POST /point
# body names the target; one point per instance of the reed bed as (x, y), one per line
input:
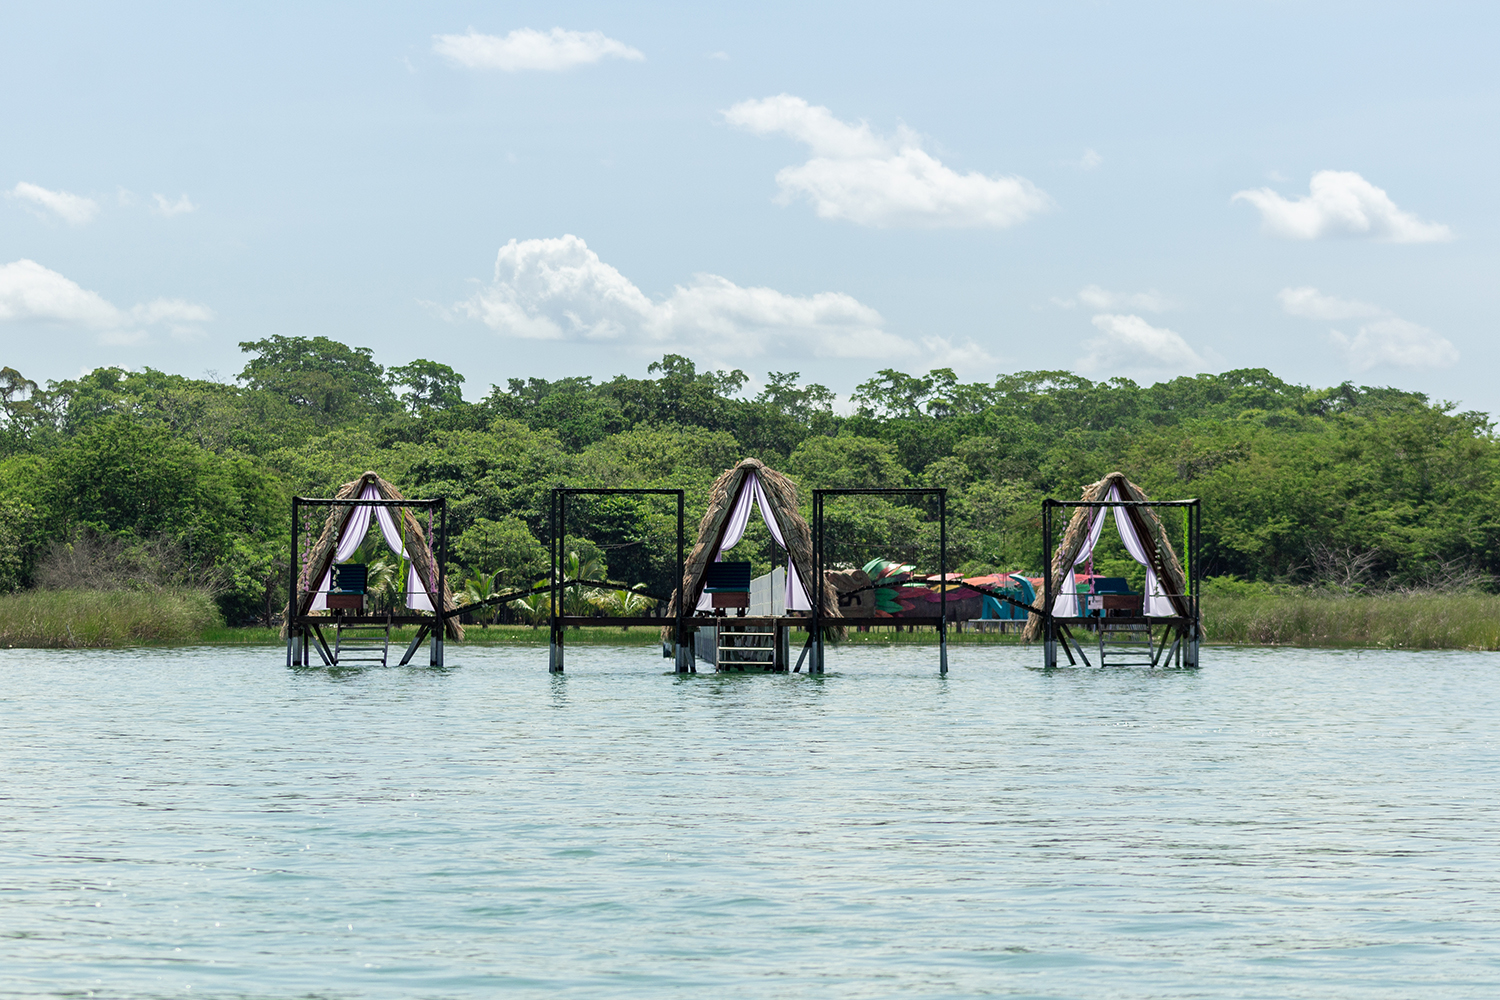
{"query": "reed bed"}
(99, 619)
(1380, 621)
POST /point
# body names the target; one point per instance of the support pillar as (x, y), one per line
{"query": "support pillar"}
(942, 652)
(1049, 648)
(435, 652)
(555, 652)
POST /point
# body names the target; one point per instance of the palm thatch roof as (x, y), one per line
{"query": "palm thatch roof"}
(781, 492)
(1147, 526)
(320, 555)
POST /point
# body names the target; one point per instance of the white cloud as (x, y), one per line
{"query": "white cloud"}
(1396, 342)
(1129, 343)
(527, 48)
(1341, 203)
(31, 292)
(1101, 299)
(1389, 340)
(124, 337)
(559, 289)
(857, 175)
(71, 208)
(1313, 304)
(942, 352)
(171, 208)
(1090, 160)
(181, 318)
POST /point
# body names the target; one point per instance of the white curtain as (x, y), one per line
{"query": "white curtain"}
(354, 533)
(753, 495)
(1066, 603)
(1157, 604)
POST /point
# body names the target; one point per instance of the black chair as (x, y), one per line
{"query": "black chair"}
(729, 585)
(349, 583)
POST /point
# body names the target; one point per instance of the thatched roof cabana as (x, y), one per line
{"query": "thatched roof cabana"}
(1161, 558)
(321, 554)
(780, 494)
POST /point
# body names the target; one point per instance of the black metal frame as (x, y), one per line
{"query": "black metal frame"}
(300, 625)
(1190, 626)
(941, 493)
(557, 532)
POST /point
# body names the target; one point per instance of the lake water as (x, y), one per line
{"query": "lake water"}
(206, 822)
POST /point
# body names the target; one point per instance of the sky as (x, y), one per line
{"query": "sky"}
(546, 190)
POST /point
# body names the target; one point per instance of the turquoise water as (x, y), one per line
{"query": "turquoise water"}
(206, 822)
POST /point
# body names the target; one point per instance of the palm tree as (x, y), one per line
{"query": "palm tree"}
(579, 599)
(624, 603)
(386, 581)
(534, 609)
(477, 588)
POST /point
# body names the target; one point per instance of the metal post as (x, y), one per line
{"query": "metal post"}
(943, 576)
(1049, 630)
(552, 580)
(816, 667)
(440, 630)
(1190, 647)
(559, 562)
(686, 654)
(291, 593)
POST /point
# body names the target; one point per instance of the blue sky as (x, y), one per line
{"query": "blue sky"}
(575, 189)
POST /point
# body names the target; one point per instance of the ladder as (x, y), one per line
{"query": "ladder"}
(1125, 645)
(745, 647)
(369, 643)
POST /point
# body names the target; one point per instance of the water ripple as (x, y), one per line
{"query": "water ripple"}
(1279, 824)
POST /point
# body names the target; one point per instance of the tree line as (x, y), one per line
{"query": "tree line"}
(1349, 486)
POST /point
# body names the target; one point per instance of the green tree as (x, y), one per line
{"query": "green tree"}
(26, 412)
(504, 552)
(846, 462)
(431, 387)
(142, 481)
(327, 379)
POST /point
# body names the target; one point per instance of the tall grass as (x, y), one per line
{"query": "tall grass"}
(1391, 621)
(71, 619)
(101, 619)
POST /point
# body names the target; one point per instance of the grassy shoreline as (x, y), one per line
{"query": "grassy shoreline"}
(111, 619)
(1380, 621)
(104, 619)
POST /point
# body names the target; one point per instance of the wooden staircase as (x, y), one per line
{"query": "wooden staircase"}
(1125, 645)
(745, 648)
(366, 643)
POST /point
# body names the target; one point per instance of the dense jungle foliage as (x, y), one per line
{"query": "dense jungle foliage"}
(186, 482)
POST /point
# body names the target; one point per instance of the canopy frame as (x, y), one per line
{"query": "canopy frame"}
(557, 622)
(303, 628)
(1187, 624)
(941, 622)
